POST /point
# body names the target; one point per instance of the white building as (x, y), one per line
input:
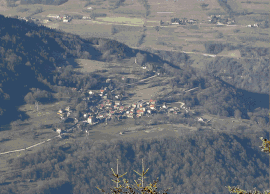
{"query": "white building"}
(152, 106)
(220, 24)
(86, 17)
(171, 109)
(164, 106)
(46, 21)
(59, 131)
(53, 16)
(90, 120)
(200, 119)
(117, 103)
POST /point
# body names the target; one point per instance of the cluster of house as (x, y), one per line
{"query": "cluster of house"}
(66, 113)
(200, 119)
(23, 18)
(108, 109)
(64, 18)
(220, 20)
(254, 25)
(177, 21)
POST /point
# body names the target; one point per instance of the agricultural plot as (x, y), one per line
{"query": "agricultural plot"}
(129, 38)
(87, 28)
(168, 36)
(32, 130)
(130, 131)
(122, 20)
(181, 8)
(88, 66)
(233, 53)
(145, 92)
(134, 11)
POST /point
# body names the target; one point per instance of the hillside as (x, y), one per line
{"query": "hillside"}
(194, 163)
(38, 64)
(20, 71)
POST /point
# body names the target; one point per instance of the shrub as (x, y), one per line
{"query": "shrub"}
(29, 98)
(213, 48)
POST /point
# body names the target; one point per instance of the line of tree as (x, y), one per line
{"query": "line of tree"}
(141, 39)
(11, 3)
(226, 7)
(146, 6)
(38, 95)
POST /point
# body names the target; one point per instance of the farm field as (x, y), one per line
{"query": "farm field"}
(90, 65)
(170, 36)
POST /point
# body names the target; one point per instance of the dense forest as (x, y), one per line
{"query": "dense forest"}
(193, 163)
(213, 47)
(248, 74)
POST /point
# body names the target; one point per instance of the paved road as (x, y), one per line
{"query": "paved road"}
(23, 149)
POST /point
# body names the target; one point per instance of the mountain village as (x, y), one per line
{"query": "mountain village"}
(104, 109)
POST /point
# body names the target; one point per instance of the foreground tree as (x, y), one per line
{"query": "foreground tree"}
(265, 148)
(151, 188)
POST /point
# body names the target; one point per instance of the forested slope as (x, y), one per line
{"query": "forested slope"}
(247, 74)
(30, 55)
(193, 163)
